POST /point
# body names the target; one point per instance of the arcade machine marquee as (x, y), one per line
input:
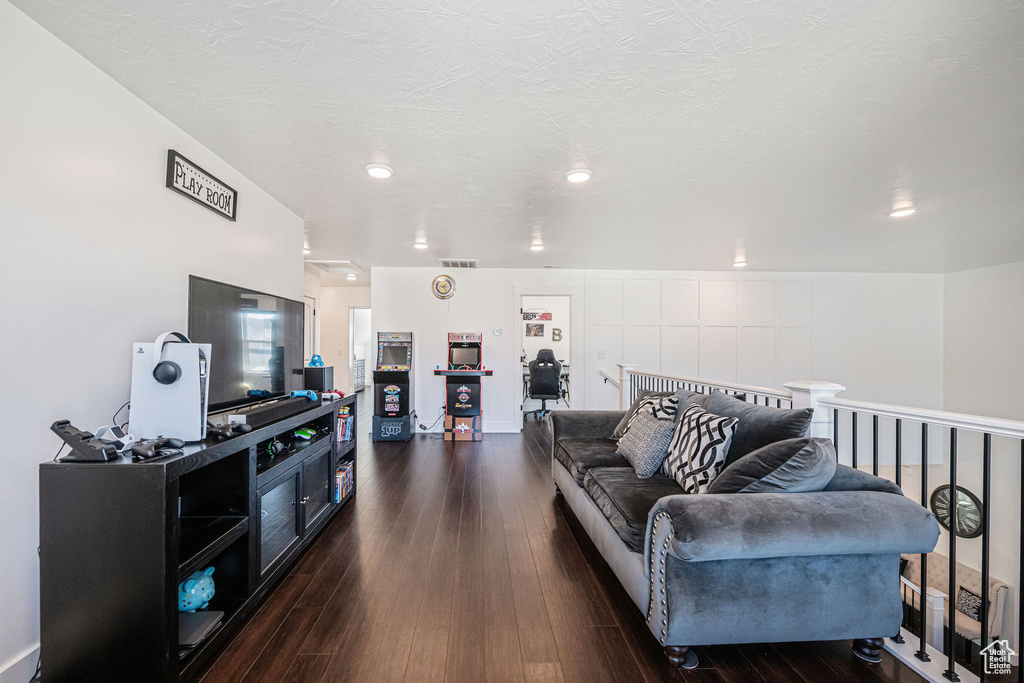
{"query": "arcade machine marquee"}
(462, 415)
(393, 412)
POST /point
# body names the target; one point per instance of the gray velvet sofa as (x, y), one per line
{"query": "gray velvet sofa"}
(742, 567)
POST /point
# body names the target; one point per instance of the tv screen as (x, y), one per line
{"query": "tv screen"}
(395, 355)
(462, 357)
(256, 341)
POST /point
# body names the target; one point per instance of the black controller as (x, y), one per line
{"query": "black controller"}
(223, 433)
(84, 446)
(157, 448)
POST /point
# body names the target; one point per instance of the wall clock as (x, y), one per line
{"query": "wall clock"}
(444, 286)
(968, 511)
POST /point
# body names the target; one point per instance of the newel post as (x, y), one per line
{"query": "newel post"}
(624, 371)
(806, 394)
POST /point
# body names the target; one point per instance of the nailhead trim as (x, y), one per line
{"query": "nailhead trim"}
(660, 559)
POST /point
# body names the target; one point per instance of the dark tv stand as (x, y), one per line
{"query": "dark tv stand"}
(116, 539)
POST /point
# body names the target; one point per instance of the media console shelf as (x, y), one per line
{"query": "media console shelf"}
(117, 538)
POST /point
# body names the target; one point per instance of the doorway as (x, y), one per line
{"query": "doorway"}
(360, 343)
(546, 323)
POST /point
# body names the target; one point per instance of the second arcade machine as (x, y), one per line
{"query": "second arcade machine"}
(462, 415)
(393, 412)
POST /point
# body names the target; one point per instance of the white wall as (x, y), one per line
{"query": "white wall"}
(95, 253)
(984, 373)
(335, 340)
(879, 334)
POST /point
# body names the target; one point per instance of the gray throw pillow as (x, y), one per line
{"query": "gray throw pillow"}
(759, 425)
(646, 442)
(793, 465)
(620, 428)
(699, 445)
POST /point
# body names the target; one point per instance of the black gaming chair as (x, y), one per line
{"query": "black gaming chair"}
(545, 381)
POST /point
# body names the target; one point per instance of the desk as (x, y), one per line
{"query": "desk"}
(564, 381)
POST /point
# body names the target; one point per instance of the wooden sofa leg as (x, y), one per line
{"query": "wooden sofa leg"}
(869, 649)
(681, 656)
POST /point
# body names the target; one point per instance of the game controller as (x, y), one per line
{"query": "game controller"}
(157, 448)
(304, 434)
(331, 395)
(223, 433)
(308, 393)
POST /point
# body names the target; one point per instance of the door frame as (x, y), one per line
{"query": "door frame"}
(577, 352)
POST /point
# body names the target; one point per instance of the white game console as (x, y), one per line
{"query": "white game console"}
(170, 388)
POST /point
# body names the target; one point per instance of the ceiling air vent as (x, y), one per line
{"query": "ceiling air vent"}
(458, 262)
(553, 266)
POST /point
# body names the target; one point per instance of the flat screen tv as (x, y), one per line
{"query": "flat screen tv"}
(256, 341)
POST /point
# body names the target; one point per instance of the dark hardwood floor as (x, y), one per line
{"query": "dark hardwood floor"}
(456, 563)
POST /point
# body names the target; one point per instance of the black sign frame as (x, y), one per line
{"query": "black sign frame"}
(172, 157)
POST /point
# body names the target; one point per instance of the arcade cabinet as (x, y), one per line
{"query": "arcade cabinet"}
(393, 412)
(462, 415)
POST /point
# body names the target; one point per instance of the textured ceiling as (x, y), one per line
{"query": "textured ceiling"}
(784, 126)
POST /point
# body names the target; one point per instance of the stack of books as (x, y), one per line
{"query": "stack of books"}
(344, 480)
(346, 425)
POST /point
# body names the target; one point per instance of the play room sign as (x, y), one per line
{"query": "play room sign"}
(186, 178)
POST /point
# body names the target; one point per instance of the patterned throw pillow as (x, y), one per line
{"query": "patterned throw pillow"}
(646, 441)
(968, 604)
(662, 407)
(698, 449)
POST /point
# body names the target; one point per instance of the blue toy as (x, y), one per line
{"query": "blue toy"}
(308, 393)
(316, 361)
(195, 592)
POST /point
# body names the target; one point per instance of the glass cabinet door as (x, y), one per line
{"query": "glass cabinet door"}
(280, 521)
(318, 486)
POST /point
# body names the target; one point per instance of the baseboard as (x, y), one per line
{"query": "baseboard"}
(20, 669)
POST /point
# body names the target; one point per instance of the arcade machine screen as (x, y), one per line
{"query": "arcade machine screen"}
(395, 355)
(465, 357)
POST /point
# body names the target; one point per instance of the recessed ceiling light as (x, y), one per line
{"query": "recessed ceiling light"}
(420, 245)
(578, 175)
(351, 276)
(537, 247)
(739, 264)
(307, 251)
(380, 171)
(902, 211)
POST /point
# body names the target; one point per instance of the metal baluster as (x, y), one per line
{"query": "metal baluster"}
(986, 504)
(874, 445)
(898, 638)
(854, 440)
(950, 672)
(922, 652)
(835, 430)
(899, 453)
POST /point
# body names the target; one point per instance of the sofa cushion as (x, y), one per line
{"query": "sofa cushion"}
(579, 455)
(625, 499)
(759, 425)
(699, 445)
(620, 429)
(646, 441)
(794, 465)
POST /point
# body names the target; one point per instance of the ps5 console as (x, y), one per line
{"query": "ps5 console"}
(170, 383)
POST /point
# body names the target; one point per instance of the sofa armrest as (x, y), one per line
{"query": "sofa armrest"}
(583, 424)
(729, 526)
